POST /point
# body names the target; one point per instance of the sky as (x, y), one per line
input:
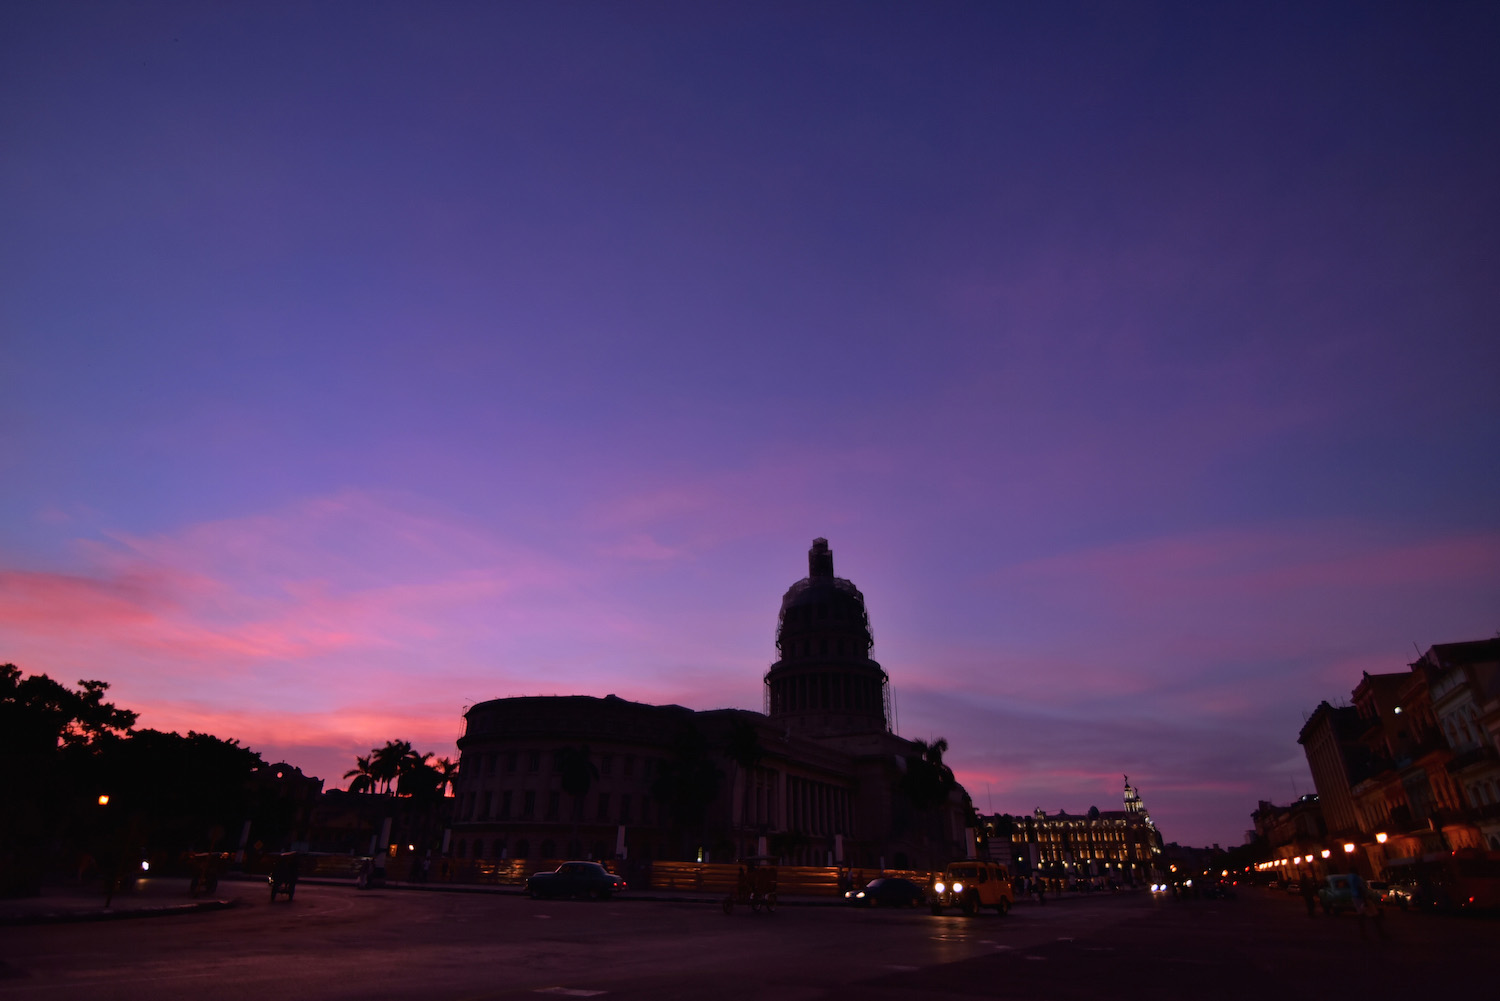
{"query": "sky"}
(363, 361)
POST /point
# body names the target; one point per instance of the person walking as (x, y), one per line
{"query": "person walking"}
(1310, 896)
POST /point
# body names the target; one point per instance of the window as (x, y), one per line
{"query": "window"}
(528, 805)
(629, 765)
(505, 805)
(625, 808)
(484, 811)
(552, 802)
(603, 806)
(510, 762)
(533, 761)
(607, 764)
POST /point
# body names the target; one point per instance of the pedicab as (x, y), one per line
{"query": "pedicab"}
(756, 886)
(283, 878)
(205, 869)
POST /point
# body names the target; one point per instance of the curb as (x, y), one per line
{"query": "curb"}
(108, 914)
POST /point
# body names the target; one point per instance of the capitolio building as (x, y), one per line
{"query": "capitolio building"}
(817, 778)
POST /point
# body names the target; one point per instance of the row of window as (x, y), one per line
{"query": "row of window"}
(1054, 853)
(826, 692)
(821, 647)
(522, 805)
(536, 761)
(500, 848)
(822, 610)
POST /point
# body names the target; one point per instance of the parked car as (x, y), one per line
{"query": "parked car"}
(971, 885)
(888, 891)
(1344, 892)
(575, 879)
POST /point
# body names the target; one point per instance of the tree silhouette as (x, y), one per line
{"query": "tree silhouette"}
(927, 784)
(578, 773)
(415, 777)
(447, 770)
(688, 781)
(386, 763)
(364, 779)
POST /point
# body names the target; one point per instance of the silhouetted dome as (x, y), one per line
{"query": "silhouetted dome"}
(823, 642)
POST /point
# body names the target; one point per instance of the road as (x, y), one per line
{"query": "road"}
(336, 942)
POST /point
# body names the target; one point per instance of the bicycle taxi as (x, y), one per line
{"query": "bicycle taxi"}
(756, 885)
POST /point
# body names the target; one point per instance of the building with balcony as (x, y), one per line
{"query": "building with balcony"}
(1417, 754)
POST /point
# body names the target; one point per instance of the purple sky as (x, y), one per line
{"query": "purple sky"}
(359, 362)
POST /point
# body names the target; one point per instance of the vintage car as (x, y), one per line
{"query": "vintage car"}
(887, 891)
(575, 879)
(1345, 892)
(971, 885)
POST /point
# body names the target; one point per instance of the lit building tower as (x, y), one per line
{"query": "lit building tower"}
(1133, 802)
(825, 683)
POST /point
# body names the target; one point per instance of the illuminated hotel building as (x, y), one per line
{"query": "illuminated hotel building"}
(1100, 846)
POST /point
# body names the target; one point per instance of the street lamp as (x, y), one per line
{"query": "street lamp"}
(1380, 837)
(103, 799)
(1348, 847)
(1325, 853)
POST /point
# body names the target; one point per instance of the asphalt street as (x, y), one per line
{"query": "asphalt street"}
(337, 942)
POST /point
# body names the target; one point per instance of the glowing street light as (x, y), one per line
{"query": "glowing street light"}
(1380, 837)
(103, 799)
(1325, 853)
(1348, 847)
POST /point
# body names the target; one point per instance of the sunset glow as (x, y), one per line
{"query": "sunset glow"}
(1140, 373)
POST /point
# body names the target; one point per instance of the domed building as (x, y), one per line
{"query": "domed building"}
(818, 778)
(825, 682)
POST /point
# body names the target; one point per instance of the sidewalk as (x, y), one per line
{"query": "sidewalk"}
(150, 897)
(167, 896)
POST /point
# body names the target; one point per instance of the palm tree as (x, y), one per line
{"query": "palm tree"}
(364, 779)
(447, 770)
(578, 773)
(385, 763)
(416, 777)
(687, 782)
(928, 783)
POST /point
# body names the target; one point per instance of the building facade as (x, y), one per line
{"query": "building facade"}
(818, 778)
(1417, 755)
(1098, 848)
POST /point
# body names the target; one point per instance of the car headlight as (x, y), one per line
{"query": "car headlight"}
(861, 893)
(958, 888)
(939, 887)
(848, 895)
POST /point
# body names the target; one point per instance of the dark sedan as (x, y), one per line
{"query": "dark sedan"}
(891, 891)
(575, 879)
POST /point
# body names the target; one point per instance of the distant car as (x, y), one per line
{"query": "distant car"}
(1402, 893)
(575, 879)
(971, 885)
(889, 891)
